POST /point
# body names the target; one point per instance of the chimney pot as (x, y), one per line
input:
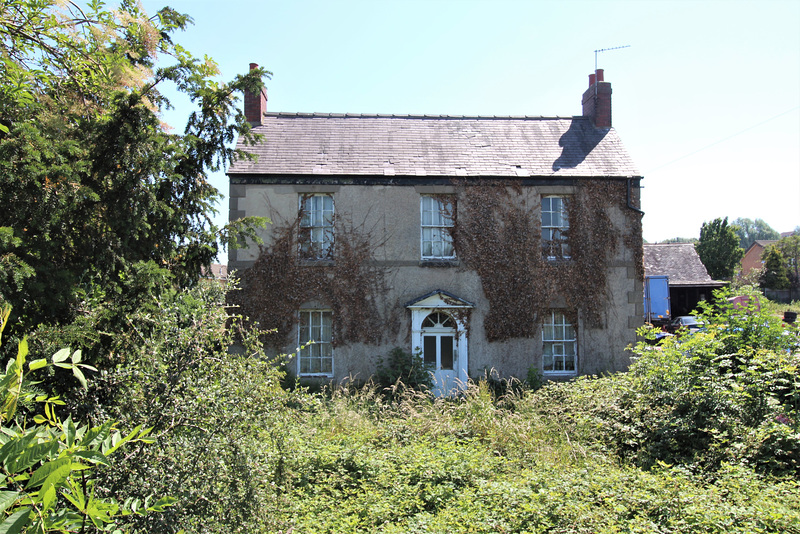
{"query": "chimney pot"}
(597, 100)
(255, 105)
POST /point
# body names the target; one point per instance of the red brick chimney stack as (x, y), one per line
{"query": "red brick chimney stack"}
(255, 105)
(597, 100)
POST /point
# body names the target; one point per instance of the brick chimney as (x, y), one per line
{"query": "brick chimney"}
(597, 100)
(255, 105)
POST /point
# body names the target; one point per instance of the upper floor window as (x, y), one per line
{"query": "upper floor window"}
(437, 216)
(316, 226)
(315, 337)
(555, 226)
(560, 351)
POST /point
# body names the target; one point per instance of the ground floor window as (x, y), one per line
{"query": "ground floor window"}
(315, 336)
(560, 351)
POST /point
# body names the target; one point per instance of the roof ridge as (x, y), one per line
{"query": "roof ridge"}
(416, 116)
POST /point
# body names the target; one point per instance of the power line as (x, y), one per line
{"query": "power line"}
(715, 143)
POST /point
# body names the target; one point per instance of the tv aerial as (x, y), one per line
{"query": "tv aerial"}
(606, 50)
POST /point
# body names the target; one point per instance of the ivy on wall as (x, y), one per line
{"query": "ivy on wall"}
(350, 284)
(498, 235)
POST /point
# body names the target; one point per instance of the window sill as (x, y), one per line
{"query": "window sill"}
(559, 374)
(439, 262)
(322, 262)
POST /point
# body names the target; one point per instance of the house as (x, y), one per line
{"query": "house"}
(498, 244)
(689, 282)
(751, 261)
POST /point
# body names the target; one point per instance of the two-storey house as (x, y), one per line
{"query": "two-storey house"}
(475, 243)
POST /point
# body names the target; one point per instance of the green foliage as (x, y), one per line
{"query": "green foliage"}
(404, 370)
(749, 231)
(357, 462)
(217, 416)
(719, 249)
(49, 465)
(727, 395)
(534, 380)
(92, 185)
(790, 248)
(775, 274)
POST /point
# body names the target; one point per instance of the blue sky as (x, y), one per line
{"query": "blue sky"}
(706, 97)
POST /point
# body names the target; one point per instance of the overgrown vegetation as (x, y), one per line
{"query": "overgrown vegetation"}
(49, 464)
(102, 240)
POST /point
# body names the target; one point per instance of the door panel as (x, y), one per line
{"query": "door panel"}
(446, 353)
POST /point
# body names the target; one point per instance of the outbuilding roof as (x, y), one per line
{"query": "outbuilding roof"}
(678, 261)
(434, 146)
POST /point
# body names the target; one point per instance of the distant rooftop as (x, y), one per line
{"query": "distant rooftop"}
(678, 261)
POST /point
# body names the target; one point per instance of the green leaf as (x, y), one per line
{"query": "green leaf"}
(61, 355)
(69, 431)
(79, 375)
(41, 475)
(162, 503)
(22, 352)
(7, 498)
(31, 456)
(92, 456)
(37, 364)
(54, 480)
(14, 447)
(76, 356)
(97, 434)
(15, 522)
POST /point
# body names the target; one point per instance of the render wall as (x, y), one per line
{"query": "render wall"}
(391, 214)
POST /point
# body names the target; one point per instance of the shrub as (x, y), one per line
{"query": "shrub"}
(403, 368)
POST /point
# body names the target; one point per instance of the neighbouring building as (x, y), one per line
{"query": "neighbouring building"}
(478, 244)
(751, 261)
(689, 281)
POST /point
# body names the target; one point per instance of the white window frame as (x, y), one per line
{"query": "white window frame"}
(316, 226)
(555, 223)
(559, 345)
(315, 345)
(437, 214)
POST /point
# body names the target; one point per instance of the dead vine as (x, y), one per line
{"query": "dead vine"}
(499, 236)
(350, 283)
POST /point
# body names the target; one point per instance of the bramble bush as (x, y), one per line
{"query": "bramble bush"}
(726, 395)
(49, 465)
(216, 415)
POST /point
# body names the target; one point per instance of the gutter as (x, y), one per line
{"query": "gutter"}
(628, 199)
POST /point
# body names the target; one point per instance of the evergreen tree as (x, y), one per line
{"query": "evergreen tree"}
(99, 200)
(775, 274)
(719, 248)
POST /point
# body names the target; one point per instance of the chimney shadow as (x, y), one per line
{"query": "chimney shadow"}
(577, 143)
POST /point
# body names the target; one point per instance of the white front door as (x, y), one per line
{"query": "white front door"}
(439, 337)
(440, 351)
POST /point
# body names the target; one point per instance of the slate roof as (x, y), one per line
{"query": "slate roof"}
(436, 146)
(678, 261)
